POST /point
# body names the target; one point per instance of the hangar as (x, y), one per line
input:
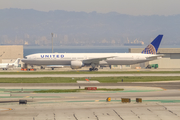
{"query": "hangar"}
(9, 53)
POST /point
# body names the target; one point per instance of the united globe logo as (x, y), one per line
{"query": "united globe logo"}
(149, 49)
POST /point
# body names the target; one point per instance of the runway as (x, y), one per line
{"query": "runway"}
(82, 75)
(164, 85)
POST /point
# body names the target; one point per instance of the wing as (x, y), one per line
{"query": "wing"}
(96, 60)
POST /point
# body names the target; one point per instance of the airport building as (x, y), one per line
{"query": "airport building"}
(9, 53)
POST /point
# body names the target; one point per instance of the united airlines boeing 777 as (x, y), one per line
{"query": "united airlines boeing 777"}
(78, 60)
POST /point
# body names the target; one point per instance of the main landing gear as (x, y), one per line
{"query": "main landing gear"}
(93, 69)
(42, 67)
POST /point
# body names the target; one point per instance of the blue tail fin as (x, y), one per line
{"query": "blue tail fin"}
(153, 47)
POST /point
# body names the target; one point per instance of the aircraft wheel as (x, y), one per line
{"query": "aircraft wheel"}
(95, 69)
(52, 68)
(90, 69)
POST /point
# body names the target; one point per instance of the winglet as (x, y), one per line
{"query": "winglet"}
(153, 47)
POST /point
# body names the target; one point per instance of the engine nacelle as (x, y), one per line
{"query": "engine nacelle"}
(76, 64)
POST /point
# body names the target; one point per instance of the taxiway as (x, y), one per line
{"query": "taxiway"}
(81, 75)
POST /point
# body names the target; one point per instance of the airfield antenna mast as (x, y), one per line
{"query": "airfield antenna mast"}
(52, 42)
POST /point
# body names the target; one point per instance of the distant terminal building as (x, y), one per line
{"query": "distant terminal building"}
(9, 53)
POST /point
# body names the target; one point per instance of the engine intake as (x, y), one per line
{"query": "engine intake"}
(76, 64)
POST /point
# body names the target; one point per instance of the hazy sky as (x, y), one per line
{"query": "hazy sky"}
(132, 7)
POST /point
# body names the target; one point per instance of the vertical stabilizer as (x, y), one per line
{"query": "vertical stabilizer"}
(16, 63)
(153, 47)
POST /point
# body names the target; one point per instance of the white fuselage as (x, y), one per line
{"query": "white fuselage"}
(6, 65)
(66, 58)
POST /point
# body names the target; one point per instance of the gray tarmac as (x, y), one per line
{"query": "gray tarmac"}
(99, 95)
(156, 105)
(164, 85)
(83, 75)
(93, 111)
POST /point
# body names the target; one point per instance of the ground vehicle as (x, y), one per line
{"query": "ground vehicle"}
(152, 66)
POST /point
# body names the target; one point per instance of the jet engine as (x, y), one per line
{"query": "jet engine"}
(76, 64)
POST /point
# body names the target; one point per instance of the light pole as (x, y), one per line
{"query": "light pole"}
(52, 42)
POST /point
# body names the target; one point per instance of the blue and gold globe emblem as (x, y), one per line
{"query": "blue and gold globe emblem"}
(149, 49)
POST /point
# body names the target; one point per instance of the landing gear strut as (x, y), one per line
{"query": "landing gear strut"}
(42, 67)
(93, 69)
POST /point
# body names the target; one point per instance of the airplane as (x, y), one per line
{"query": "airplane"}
(5, 66)
(79, 60)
